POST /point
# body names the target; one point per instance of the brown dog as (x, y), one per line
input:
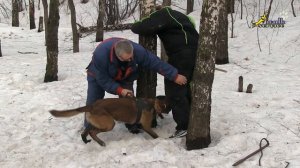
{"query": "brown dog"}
(102, 113)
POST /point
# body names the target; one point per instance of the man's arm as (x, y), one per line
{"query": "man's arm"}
(153, 23)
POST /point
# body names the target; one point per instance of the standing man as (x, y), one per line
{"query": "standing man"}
(180, 38)
(114, 68)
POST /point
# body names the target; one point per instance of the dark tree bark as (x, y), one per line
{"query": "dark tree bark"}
(45, 6)
(0, 49)
(41, 20)
(52, 42)
(222, 37)
(111, 12)
(74, 27)
(269, 10)
(163, 54)
(15, 13)
(241, 9)
(199, 126)
(99, 33)
(166, 3)
(230, 6)
(292, 4)
(31, 14)
(190, 6)
(146, 82)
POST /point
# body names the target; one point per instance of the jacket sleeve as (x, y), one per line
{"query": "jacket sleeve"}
(150, 61)
(102, 76)
(152, 24)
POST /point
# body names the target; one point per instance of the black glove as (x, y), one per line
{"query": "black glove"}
(134, 128)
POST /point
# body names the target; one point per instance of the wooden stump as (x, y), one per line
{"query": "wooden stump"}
(249, 88)
(240, 89)
(41, 24)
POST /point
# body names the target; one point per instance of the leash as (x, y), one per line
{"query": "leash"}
(261, 148)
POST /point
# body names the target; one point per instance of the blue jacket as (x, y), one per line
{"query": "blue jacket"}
(109, 73)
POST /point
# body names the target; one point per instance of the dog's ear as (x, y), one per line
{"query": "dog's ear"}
(164, 104)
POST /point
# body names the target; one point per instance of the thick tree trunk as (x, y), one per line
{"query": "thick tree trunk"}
(146, 83)
(0, 49)
(190, 6)
(31, 14)
(41, 20)
(199, 126)
(15, 13)
(52, 42)
(163, 54)
(74, 27)
(99, 33)
(222, 37)
(45, 6)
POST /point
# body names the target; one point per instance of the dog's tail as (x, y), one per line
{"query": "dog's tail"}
(70, 113)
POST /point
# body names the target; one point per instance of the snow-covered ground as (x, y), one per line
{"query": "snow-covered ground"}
(31, 137)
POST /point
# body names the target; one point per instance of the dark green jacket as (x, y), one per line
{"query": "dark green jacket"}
(175, 29)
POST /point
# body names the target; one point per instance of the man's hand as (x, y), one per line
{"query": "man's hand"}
(126, 93)
(180, 80)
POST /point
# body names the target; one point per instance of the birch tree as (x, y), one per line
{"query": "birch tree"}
(199, 126)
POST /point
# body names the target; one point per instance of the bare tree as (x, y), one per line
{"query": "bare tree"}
(190, 6)
(146, 82)
(199, 126)
(230, 6)
(241, 9)
(269, 10)
(0, 49)
(166, 3)
(292, 4)
(222, 37)
(100, 20)
(74, 27)
(15, 13)
(45, 6)
(31, 14)
(52, 42)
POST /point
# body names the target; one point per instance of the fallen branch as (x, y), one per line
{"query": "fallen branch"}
(253, 153)
(27, 52)
(222, 70)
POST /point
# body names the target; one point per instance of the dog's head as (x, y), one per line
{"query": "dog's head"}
(162, 105)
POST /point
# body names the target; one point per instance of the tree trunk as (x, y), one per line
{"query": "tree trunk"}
(0, 49)
(15, 13)
(166, 3)
(241, 9)
(222, 37)
(99, 33)
(269, 10)
(199, 126)
(146, 82)
(230, 6)
(74, 27)
(190, 6)
(292, 4)
(45, 6)
(41, 20)
(20, 5)
(31, 14)
(163, 54)
(52, 42)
